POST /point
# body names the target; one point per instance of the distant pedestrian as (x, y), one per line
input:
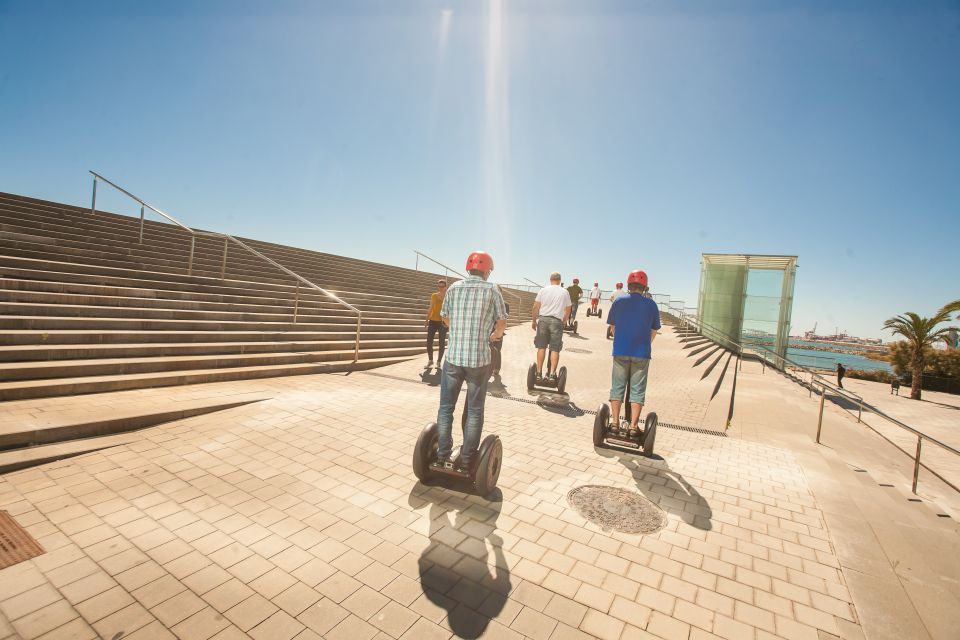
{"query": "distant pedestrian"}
(575, 294)
(618, 293)
(895, 385)
(594, 297)
(840, 372)
(435, 324)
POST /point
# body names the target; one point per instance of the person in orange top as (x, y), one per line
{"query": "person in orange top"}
(434, 323)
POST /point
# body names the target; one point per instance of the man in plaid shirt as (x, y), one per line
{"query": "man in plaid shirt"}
(474, 311)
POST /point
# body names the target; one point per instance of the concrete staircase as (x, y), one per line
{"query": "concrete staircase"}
(85, 307)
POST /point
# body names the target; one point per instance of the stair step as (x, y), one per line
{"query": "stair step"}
(53, 353)
(21, 390)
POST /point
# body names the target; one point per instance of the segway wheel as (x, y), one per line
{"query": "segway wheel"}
(561, 379)
(609, 335)
(495, 360)
(600, 424)
(531, 376)
(575, 325)
(488, 466)
(599, 313)
(649, 434)
(425, 451)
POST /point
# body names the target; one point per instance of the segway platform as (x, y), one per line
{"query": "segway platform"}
(643, 440)
(482, 474)
(547, 383)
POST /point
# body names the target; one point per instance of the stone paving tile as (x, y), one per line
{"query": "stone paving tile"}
(285, 519)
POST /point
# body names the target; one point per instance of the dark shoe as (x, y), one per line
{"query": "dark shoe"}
(445, 463)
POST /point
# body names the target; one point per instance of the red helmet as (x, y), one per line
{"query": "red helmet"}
(479, 261)
(637, 276)
(576, 281)
(619, 285)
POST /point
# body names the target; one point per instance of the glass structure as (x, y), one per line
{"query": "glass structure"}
(748, 298)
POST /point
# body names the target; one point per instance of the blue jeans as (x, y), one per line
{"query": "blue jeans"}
(451, 381)
(573, 311)
(633, 370)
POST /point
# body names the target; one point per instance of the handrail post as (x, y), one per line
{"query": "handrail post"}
(296, 302)
(141, 224)
(193, 244)
(223, 264)
(916, 464)
(823, 393)
(356, 344)
(93, 198)
(416, 264)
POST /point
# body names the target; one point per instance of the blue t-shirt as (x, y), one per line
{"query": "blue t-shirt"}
(635, 316)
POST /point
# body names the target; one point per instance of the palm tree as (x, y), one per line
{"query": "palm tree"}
(921, 333)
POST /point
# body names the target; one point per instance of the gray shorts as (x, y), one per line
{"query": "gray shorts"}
(549, 332)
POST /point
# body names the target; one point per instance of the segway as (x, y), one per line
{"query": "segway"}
(642, 440)
(546, 382)
(483, 472)
(572, 327)
(590, 312)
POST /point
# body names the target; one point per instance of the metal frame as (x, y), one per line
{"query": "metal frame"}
(227, 239)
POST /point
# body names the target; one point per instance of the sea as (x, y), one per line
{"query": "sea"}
(804, 352)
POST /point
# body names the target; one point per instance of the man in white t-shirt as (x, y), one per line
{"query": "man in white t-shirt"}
(594, 298)
(616, 295)
(550, 313)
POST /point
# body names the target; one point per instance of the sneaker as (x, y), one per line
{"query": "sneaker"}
(429, 364)
(553, 378)
(445, 462)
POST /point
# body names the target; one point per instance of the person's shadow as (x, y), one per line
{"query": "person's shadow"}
(454, 572)
(432, 379)
(664, 487)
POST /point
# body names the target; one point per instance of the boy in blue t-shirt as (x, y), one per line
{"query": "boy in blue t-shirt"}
(634, 320)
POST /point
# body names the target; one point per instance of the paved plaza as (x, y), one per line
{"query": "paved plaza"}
(298, 516)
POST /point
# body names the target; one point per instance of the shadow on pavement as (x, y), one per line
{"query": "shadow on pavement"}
(454, 569)
(665, 487)
(432, 379)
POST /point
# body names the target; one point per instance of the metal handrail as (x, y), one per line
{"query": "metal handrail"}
(93, 209)
(536, 284)
(450, 269)
(817, 379)
(223, 265)
(300, 279)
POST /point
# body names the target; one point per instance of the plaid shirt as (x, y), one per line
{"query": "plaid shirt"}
(473, 307)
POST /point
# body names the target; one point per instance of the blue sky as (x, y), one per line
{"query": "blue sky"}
(590, 137)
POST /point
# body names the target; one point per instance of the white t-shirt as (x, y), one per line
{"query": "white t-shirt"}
(619, 293)
(553, 300)
(595, 293)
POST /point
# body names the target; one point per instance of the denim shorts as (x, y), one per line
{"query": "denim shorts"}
(549, 332)
(633, 370)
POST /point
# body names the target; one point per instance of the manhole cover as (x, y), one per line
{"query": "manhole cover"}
(618, 509)
(16, 545)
